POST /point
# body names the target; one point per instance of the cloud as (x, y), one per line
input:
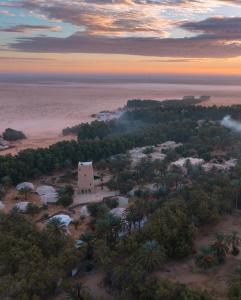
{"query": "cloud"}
(134, 27)
(176, 60)
(6, 13)
(113, 18)
(196, 47)
(9, 4)
(118, 17)
(231, 2)
(5, 58)
(30, 28)
(218, 27)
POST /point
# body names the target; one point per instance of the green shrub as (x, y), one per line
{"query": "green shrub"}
(13, 135)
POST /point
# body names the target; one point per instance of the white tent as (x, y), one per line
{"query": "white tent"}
(118, 212)
(84, 211)
(47, 193)
(2, 205)
(22, 206)
(122, 201)
(25, 185)
(79, 243)
(65, 219)
(183, 161)
(49, 198)
(45, 189)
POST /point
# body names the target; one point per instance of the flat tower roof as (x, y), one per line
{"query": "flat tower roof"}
(85, 163)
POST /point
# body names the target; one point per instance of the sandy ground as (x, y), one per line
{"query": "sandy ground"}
(13, 196)
(35, 142)
(41, 111)
(215, 280)
(96, 196)
(94, 284)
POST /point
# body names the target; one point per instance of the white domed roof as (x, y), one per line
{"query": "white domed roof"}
(47, 193)
(22, 206)
(84, 211)
(118, 212)
(65, 219)
(25, 185)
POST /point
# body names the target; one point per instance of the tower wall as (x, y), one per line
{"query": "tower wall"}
(85, 177)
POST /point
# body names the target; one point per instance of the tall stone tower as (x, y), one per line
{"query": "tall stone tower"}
(85, 177)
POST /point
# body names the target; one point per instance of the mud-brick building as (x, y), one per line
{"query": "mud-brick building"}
(85, 177)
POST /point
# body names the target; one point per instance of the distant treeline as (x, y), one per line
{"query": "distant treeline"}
(151, 126)
(100, 129)
(32, 163)
(94, 129)
(186, 101)
(140, 113)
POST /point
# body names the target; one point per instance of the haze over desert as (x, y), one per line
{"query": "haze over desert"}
(42, 110)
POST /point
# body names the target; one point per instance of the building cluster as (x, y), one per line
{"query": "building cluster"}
(86, 188)
(155, 152)
(207, 166)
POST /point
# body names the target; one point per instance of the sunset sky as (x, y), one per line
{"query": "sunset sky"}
(121, 36)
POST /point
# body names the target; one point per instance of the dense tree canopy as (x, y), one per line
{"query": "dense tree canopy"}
(32, 263)
(148, 126)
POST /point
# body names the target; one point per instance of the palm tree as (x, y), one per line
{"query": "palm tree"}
(157, 182)
(76, 223)
(236, 184)
(109, 227)
(26, 192)
(176, 177)
(161, 166)
(2, 191)
(234, 240)
(220, 247)
(77, 292)
(88, 239)
(141, 206)
(151, 256)
(205, 259)
(135, 214)
(115, 225)
(162, 183)
(57, 224)
(130, 218)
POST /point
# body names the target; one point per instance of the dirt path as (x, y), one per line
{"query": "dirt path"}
(94, 283)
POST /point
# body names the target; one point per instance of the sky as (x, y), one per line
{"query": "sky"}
(121, 36)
